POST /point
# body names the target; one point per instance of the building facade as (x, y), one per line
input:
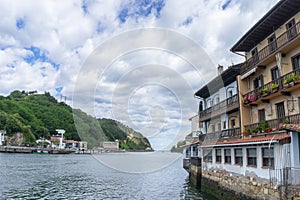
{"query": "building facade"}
(269, 82)
(250, 119)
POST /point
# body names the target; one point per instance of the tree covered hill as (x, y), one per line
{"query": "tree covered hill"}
(39, 115)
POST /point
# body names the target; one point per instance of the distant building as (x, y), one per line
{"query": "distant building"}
(110, 145)
(2, 133)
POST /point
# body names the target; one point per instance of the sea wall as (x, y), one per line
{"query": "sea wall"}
(244, 187)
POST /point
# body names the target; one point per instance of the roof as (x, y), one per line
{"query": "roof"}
(191, 144)
(249, 141)
(271, 21)
(290, 127)
(228, 76)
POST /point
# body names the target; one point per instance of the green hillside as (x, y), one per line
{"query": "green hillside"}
(39, 115)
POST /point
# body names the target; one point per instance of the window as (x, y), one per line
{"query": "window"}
(291, 29)
(258, 82)
(280, 111)
(296, 62)
(232, 123)
(195, 151)
(227, 156)
(217, 100)
(272, 43)
(218, 155)
(251, 157)
(275, 73)
(224, 122)
(229, 93)
(207, 155)
(254, 55)
(238, 156)
(268, 157)
(261, 115)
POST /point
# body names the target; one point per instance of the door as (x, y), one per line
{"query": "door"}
(291, 29)
(261, 115)
(280, 112)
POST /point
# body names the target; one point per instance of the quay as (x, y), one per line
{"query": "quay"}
(17, 149)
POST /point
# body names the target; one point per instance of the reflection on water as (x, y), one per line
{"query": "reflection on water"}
(33, 176)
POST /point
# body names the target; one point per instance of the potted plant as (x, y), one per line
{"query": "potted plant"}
(286, 121)
(246, 133)
(294, 77)
(288, 80)
(256, 129)
(298, 79)
(264, 91)
(251, 97)
(245, 100)
(264, 126)
(274, 87)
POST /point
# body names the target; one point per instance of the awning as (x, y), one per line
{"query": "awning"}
(248, 73)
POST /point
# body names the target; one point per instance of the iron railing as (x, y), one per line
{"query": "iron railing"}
(282, 40)
(223, 104)
(274, 86)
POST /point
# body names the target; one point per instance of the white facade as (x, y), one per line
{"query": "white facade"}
(259, 172)
(222, 94)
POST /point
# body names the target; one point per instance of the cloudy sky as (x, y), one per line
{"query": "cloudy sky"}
(139, 62)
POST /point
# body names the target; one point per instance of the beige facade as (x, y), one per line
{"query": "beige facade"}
(269, 67)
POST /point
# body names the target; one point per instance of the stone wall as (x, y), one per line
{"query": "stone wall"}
(244, 187)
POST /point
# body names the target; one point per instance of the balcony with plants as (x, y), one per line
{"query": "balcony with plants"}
(286, 83)
(268, 126)
(282, 41)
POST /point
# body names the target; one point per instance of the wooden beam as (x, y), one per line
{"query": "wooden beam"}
(285, 93)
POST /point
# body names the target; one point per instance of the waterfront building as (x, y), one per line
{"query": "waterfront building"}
(255, 141)
(270, 91)
(2, 134)
(110, 145)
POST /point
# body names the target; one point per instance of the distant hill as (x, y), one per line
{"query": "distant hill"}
(39, 115)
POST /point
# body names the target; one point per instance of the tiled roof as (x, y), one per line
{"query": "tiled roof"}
(248, 140)
(290, 127)
(187, 145)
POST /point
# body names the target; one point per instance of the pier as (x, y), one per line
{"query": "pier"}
(17, 149)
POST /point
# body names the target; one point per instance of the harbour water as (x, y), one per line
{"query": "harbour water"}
(34, 176)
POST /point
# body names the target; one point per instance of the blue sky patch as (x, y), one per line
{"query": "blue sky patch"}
(84, 7)
(59, 89)
(20, 23)
(226, 4)
(187, 21)
(141, 8)
(39, 55)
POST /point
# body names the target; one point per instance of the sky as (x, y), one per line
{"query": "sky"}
(139, 62)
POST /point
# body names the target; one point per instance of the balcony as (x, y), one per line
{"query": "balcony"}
(225, 106)
(273, 125)
(233, 133)
(284, 41)
(282, 86)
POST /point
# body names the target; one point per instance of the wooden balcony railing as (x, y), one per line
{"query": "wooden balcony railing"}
(224, 134)
(282, 40)
(288, 80)
(275, 123)
(219, 107)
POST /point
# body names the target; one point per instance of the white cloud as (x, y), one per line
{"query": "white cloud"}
(69, 32)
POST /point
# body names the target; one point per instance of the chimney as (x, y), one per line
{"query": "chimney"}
(220, 69)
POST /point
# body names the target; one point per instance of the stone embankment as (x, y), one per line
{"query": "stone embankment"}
(245, 187)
